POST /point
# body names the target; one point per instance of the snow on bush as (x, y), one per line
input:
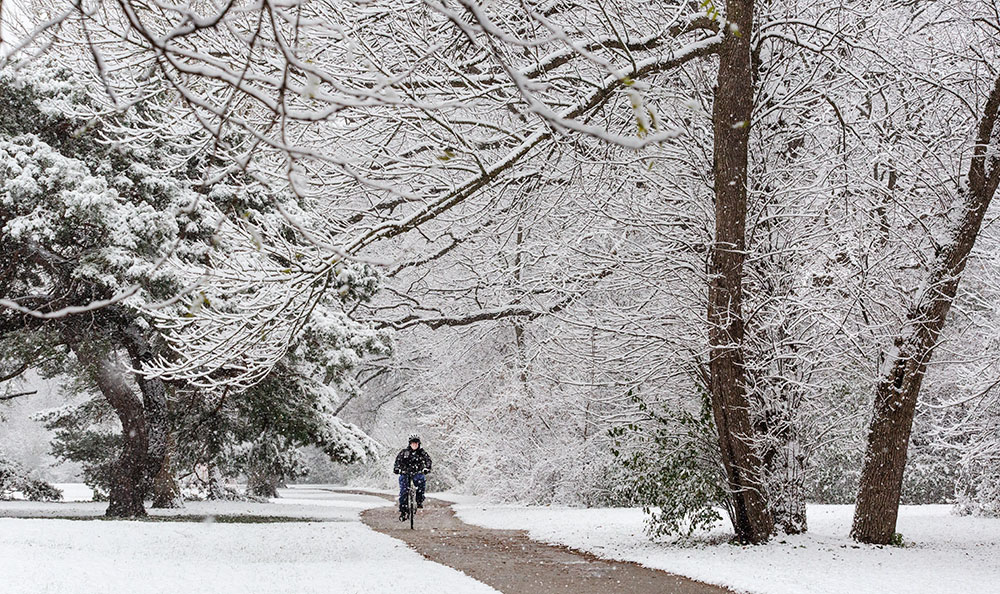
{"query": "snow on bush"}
(15, 480)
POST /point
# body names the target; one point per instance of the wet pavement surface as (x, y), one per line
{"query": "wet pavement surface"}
(512, 563)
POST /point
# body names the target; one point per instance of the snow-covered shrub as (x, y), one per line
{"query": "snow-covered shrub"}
(834, 474)
(835, 462)
(979, 476)
(670, 467)
(14, 479)
(979, 490)
(930, 477)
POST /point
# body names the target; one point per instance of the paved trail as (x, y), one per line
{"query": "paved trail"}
(512, 563)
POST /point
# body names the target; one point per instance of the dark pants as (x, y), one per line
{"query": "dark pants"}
(404, 488)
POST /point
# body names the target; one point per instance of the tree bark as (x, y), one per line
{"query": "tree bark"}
(263, 484)
(776, 426)
(143, 419)
(784, 465)
(154, 399)
(129, 478)
(731, 123)
(217, 485)
(166, 491)
(896, 393)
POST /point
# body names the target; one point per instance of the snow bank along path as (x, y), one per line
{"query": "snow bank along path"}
(512, 563)
(944, 554)
(336, 554)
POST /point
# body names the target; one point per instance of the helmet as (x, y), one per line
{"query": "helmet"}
(414, 438)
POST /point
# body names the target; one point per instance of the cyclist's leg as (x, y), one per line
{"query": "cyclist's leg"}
(404, 491)
(421, 483)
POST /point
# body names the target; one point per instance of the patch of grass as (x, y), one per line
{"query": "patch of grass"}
(193, 518)
(230, 519)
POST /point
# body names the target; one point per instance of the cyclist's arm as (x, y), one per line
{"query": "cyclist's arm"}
(395, 467)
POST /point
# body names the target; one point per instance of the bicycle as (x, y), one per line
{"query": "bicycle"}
(411, 499)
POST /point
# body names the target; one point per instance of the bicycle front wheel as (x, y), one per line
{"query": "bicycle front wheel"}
(413, 505)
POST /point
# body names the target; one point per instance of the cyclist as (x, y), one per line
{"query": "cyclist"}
(414, 462)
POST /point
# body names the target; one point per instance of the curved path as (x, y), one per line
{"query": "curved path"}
(512, 563)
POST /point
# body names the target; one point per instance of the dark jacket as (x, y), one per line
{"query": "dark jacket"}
(412, 462)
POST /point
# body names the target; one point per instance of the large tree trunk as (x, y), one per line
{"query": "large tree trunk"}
(731, 123)
(166, 491)
(129, 478)
(143, 419)
(785, 470)
(896, 394)
(777, 425)
(154, 399)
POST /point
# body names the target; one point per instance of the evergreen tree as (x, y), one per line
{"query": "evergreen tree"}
(87, 218)
(104, 223)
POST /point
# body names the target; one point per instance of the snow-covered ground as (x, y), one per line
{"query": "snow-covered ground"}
(336, 555)
(944, 554)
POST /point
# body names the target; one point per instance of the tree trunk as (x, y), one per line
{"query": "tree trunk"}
(144, 420)
(731, 123)
(263, 484)
(154, 400)
(217, 484)
(786, 488)
(896, 394)
(777, 425)
(166, 491)
(129, 478)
